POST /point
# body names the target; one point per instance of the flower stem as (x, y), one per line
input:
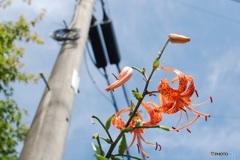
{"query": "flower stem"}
(113, 145)
(156, 126)
(144, 93)
(109, 136)
(131, 117)
(161, 52)
(100, 146)
(128, 156)
(140, 100)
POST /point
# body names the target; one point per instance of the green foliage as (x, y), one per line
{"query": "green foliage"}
(97, 149)
(12, 129)
(156, 63)
(122, 146)
(109, 121)
(10, 54)
(137, 95)
(99, 157)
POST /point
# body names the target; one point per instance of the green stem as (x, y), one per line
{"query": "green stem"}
(109, 136)
(140, 101)
(140, 71)
(113, 145)
(156, 126)
(144, 93)
(131, 117)
(100, 146)
(127, 156)
(161, 52)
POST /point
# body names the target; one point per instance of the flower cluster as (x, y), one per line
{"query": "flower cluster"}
(172, 100)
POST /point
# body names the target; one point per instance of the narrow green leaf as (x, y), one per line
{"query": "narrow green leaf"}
(106, 139)
(122, 146)
(96, 148)
(99, 157)
(156, 63)
(137, 95)
(108, 123)
(132, 105)
(115, 158)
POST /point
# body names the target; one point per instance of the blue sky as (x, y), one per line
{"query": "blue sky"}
(142, 27)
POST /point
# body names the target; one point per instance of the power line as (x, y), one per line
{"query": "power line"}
(93, 81)
(207, 11)
(106, 77)
(225, 116)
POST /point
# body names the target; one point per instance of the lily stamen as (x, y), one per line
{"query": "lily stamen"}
(202, 103)
(196, 93)
(197, 112)
(186, 125)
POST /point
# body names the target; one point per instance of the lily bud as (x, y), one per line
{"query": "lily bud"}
(176, 38)
(124, 76)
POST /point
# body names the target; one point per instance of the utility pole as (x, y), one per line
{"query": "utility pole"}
(48, 133)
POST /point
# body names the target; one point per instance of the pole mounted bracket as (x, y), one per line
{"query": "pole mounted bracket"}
(66, 34)
(45, 81)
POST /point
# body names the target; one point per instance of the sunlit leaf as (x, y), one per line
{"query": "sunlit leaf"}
(99, 157)
(156, 63)
(132, 105)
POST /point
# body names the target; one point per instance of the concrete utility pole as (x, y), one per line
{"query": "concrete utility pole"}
(47, 136)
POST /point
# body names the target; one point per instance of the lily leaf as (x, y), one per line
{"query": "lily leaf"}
(137, 95)
(122, 146)
(97, 149)
(99, 157)
(132, 105)
(106, 139)
(156, 63)
(108, 123)
(115, 158)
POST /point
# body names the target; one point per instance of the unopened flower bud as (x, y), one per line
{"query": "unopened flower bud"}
(176, 38)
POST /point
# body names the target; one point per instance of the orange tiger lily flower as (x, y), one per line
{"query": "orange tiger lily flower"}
(176, 38)
(154, 113)
(124, 76)
(155, 118)
(178, 99)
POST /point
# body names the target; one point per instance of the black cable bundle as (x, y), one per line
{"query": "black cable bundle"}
(110, 38)
(97, 46)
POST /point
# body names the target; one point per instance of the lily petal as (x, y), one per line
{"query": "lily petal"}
(124, 76)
